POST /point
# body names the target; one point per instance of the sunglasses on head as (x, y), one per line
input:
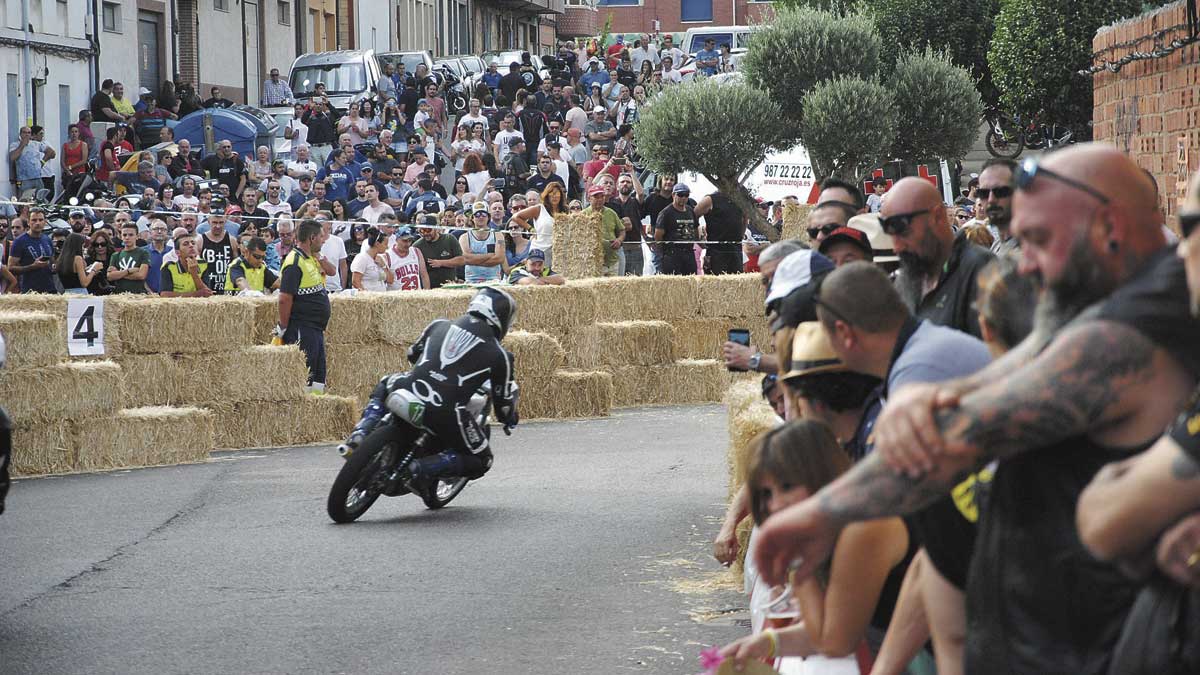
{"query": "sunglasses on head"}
(1000, 192)
(828, 230)
(899, 224)
(1030, 170)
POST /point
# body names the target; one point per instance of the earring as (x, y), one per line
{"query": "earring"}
(1112, 246)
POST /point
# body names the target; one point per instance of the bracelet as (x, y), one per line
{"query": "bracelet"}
(773, 637)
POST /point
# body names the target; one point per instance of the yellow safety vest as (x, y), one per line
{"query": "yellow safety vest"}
(255, 276)
(312, 278)
(181, 281)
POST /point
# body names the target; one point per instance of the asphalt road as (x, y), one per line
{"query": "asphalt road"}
(584, 550)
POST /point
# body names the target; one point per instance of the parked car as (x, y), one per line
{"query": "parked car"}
(469, 68)
(407, 62)
(348, 75)
(737, 37)
(504, 58)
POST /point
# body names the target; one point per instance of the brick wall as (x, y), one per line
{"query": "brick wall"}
(578, 22)
(1149, 108)
(641, 19)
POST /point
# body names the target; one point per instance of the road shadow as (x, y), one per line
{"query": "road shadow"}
(450, 515)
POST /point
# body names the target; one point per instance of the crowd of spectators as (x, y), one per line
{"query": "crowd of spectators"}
(526, 150)
(969, 472)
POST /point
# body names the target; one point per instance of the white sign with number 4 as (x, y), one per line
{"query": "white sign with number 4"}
(85, 326)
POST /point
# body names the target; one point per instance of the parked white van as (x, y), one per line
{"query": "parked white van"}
(737, 37)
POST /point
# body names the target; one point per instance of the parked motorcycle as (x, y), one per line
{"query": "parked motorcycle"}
(379, 465)
(456, 94)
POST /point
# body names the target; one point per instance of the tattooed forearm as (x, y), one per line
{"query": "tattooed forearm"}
(872, 490)
(1073, 386)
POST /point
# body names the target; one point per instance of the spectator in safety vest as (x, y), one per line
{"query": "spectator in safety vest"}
(182, 277)
(249, 272)
(304, 302)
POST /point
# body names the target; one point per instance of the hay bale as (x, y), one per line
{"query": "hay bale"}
(555, 310)
(258, 373)
(62, 391)
(566, 394)
(352, 318)
(33, 339)
(152, 325)
(702, 338)
(795, 220)
(144, 437)
(354, 370)
(578, 245)
(41, 448)
(743, 428)
(403, 316)
(154, 380)
(238, 426)
(309, 419)
(656, 298)
(686, 381)
(626, 343)
(736, 295)
(322, 419)
(741, 395)
(56, 306)
(534, 354)
(265, 311)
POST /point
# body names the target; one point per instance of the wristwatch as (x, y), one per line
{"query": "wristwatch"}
(755, 360)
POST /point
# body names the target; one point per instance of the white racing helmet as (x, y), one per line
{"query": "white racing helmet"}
(496, 307)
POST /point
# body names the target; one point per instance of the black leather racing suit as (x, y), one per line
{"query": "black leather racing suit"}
(451, 360)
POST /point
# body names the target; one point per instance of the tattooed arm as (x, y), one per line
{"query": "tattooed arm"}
(1091, 376)
(1130, 503)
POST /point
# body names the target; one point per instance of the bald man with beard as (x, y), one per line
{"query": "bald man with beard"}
(938, 270)
(1112, 359)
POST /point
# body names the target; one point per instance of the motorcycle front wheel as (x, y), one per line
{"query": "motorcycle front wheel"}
(363, 477)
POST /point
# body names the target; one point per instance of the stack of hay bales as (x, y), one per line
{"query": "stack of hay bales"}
(749, 416)
(795, 220)
(723, 302)
(68, 416)
(578, 245)
(204, 353)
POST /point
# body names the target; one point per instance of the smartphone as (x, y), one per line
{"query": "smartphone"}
(618, 160)
(740, 336)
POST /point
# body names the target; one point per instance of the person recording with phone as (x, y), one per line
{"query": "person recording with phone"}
(32, 253)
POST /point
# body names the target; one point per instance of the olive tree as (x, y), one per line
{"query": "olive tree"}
(848, 127)
(962, 28)
(720, 130)
(937, 107)
(800, 48)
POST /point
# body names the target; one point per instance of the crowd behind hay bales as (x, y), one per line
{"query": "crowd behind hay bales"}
(183, 376)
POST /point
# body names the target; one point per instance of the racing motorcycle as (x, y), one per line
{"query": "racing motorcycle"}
(379, 465)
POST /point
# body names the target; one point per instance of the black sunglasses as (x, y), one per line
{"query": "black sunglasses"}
(1029, 170)
(1187, 223)
(899, 224)
(813, 232)
(1000, 192)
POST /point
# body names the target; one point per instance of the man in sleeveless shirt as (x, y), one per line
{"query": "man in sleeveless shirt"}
(1150, 505)
(1088, 387)
(218, 251)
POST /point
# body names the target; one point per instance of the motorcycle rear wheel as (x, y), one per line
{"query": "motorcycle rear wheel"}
(1004, 139)
(363, 477)
(443, 491)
